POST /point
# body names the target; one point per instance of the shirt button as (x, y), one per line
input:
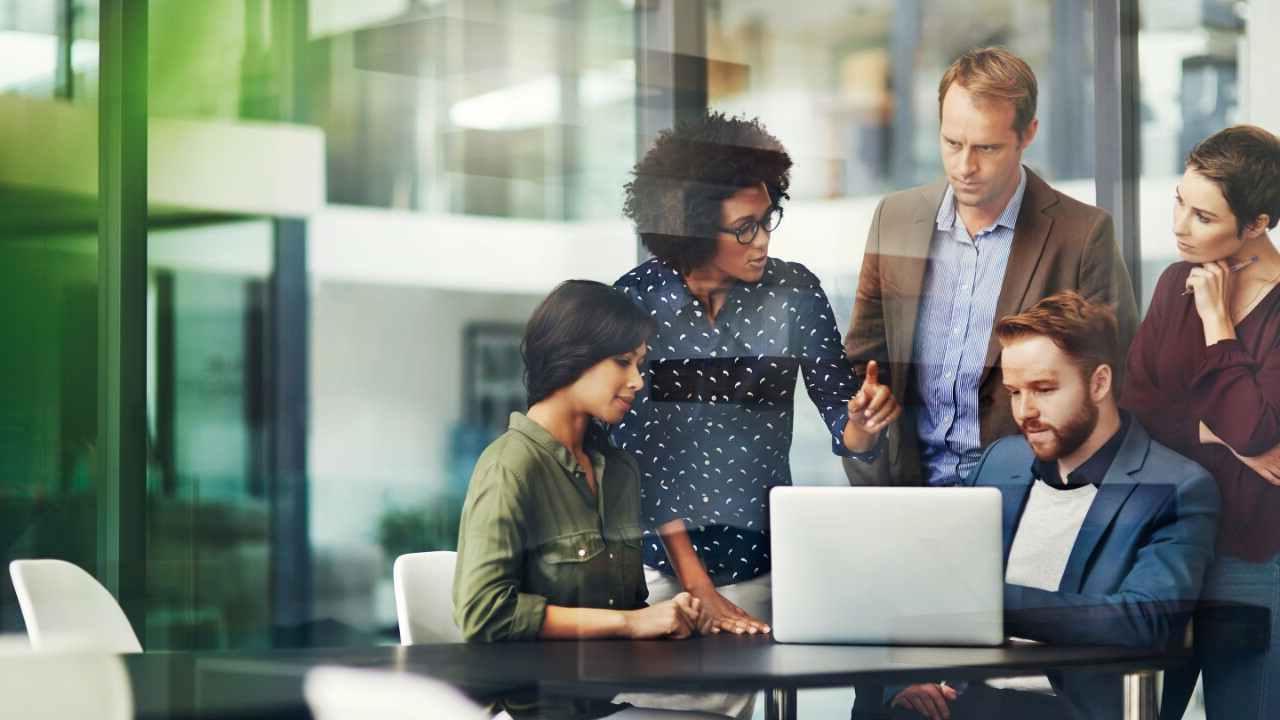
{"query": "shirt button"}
(610, 602)
(948, 376)
(610, 556)
(955, 331)
(582, 552)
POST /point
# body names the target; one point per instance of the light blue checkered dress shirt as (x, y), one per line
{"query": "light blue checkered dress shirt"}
(957, 312)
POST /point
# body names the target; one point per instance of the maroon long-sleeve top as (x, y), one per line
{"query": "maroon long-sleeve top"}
(1173, 382)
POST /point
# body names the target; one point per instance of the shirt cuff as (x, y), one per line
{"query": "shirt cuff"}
(663, 514)
(873, 454)
(836, 424)
(527, 619)
(1222, 355)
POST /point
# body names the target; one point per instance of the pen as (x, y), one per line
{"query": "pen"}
(1234, 268)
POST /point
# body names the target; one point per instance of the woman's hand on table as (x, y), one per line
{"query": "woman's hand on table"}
(720, 615)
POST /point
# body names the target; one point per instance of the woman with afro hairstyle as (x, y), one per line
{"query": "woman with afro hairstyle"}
(734, 327)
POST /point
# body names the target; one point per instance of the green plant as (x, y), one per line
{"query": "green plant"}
(428, 525)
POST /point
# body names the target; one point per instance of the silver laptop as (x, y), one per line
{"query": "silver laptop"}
(887, 566)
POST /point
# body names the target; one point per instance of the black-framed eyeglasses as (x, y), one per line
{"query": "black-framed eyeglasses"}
(746, 233)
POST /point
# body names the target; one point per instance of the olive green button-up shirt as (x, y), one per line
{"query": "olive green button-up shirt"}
(533, 534)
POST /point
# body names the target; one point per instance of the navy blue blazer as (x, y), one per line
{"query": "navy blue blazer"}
(1135, 572)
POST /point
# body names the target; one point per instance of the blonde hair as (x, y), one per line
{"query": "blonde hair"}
(993, 73)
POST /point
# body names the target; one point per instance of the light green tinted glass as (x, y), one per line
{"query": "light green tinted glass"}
(444, 164)
(49, 292)
(50, 48)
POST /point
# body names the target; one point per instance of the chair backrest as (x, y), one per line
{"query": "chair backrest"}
(56, 686)
(64, 606)
(424, 597)
(338, 693)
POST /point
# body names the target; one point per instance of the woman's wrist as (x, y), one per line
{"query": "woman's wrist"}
(695, 580)
(857, 440)
(626, 624)
(1217, 329)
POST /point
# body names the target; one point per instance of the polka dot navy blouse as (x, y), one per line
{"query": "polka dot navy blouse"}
(711, 430)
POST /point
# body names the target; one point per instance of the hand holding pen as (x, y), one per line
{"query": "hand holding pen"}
(1237, 267)
(1211, 283)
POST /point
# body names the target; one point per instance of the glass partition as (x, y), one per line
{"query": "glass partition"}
(852, 90)
(425, 172)
(48, 287)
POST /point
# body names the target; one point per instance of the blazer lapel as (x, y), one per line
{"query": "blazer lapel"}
(1014, 494)
(911, 255)
(1115, 490)
(1030, 235)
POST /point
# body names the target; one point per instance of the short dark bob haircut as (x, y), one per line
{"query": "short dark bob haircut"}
(1244, 162)
(579, 324)
(674, 200)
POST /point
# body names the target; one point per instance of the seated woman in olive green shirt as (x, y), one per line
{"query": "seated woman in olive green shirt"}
(550, 540)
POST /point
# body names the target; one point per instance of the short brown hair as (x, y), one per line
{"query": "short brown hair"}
(1086, 331)
(993, 73)
(1244, 162)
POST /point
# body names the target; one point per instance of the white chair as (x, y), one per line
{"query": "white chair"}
(338, 693)
(56, 686)
(64, 606)
(424, 597)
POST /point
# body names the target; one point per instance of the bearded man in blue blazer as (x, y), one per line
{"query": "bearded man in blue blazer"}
(1107, 533)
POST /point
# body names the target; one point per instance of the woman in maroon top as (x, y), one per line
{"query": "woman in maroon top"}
(1204, 377)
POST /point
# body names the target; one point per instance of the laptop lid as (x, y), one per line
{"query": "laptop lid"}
(887, 566)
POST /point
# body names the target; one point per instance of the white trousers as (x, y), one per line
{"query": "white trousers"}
(756, 598)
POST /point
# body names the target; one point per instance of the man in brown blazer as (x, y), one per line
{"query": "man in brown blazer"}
(944, 262)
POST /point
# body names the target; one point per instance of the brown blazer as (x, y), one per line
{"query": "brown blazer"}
(1058, 244)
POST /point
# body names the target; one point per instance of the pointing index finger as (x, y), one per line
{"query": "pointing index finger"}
(873, 374)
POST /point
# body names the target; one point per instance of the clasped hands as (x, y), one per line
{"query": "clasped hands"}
(677, 618)
(697, 611)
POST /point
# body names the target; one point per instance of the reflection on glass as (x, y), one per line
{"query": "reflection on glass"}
(208, 558)
(50, 48)
(851, 89)
(446, 164)
(1189, 60)
(49, 290)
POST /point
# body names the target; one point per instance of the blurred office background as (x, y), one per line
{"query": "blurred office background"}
(353, 206)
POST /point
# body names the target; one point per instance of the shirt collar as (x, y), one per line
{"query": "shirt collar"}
(543, 439)
(947, 216)
(689, 302)
(1091, 471)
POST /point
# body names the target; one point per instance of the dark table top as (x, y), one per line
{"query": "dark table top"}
(269, 683)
